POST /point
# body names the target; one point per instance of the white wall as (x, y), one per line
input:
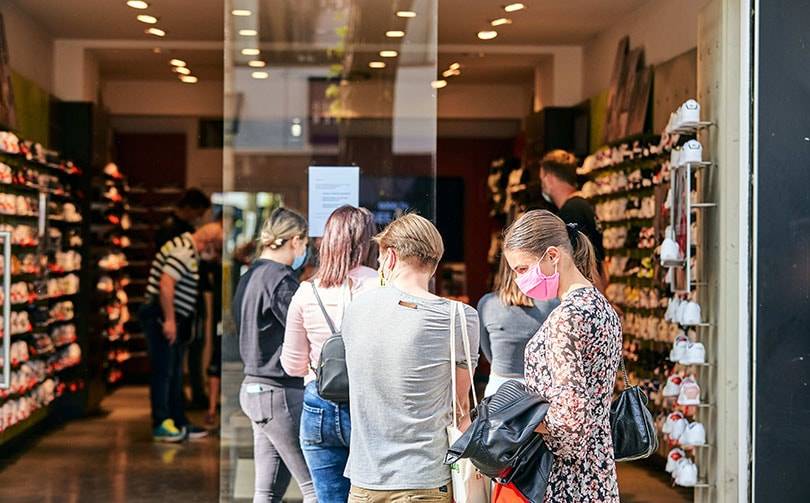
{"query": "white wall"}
(663, 27)
(484, 101)
(203, 166)
(168, 98)
(30, 46)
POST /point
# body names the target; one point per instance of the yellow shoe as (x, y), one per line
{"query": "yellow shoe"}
(168, 432)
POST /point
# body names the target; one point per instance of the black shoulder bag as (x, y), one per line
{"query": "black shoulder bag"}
(631, 424)
(332, 376)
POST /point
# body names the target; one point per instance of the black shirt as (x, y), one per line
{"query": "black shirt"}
(260, 307)
(577, 210)
(171, 228)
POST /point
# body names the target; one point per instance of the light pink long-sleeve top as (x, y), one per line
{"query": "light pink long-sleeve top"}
(306, 328)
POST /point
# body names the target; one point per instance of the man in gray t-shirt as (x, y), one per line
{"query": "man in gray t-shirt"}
(398, 358)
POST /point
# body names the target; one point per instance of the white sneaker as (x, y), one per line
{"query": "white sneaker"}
(673, 386)
(687, 475)
(678, 352)
(672, 125)
(695, 354)
(694, 435)
(690, 392)
(691, 315)
(678, 428)
(674, 456)
(670, 253)
(692, 152)
(670, 422)
(689, 113)
(675, 158)
(680, 316)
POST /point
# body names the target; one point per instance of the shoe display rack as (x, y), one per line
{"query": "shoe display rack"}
(645, 193)
(111, 242)
(39, 214)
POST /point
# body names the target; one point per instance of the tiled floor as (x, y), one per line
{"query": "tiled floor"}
(112, 459)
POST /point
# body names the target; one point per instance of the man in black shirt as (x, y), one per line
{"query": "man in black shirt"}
(185, 218)
(558, 175)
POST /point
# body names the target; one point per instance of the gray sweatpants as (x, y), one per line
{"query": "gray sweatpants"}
(275, 414)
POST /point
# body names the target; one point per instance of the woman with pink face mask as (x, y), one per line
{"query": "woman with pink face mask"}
(573, 358)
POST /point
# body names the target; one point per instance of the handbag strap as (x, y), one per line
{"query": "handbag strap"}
(458, 307)
(624, 373)
(323, 310)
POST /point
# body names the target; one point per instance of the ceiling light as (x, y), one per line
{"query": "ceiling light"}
(487, 35)
(376, 64)
(514, 7)
(406, 13)
(257, 64)
(248, 33)
(260, 75)
(395, 34)
(155, 31)
(181, 70)
(146, 18)
(501, 21)
(250, 52)
(189, 79)
(389, 54)
(241, 12)
(156, 50)
(177, 62)
(438, 84)
(451, 73)
(455, 66)
(138, 4)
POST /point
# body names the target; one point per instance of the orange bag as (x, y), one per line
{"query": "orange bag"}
(507, 493)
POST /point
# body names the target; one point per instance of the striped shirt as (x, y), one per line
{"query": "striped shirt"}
(179, 259)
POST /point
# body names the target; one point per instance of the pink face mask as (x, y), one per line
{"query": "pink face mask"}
(537, 285)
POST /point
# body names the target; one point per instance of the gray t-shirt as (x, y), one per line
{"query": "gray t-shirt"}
(398, 358)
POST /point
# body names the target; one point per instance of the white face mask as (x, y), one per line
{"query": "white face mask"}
(547, 197)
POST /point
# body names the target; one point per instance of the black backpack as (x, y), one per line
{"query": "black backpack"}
(331, 374)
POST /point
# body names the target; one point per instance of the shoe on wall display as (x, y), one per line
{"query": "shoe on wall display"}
(695, 354)
(692, 152)
(694, 435)
(687, 474)
(690, 392)
(673, 386)
(674, 456)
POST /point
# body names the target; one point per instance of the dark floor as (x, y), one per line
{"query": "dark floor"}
(112, 459)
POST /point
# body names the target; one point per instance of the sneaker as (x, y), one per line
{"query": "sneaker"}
(670, 422)
(678, 352)
(692, 152)
(195, 432)
(674, 456)
(168, 432)
(691, 315)
(690, 392)
(670, 253)
(680, 316)
(693, 436)
(695, 354)
(673, 386)
(687, 475)
(689, 114)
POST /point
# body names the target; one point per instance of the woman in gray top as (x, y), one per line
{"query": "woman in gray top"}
(508, 320)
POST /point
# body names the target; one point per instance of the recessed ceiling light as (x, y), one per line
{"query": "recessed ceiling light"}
(177, 62)
(189, 79)
(182, 70)
(248, 33)
(257, 64)
(138, 4)
(487, 35)
(146, 18)
(395, 34)
(260, 75)
(455, 66)
(501, 21)
(406, 13)
(514, 7)
(389, 54)
(376, 64)
(438, 84)
(155, 31)
(157, 50)
(241, 12)
(250, 52)
(451, 73)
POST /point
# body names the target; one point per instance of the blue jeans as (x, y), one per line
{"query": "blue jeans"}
(325, 432)
(166, 367)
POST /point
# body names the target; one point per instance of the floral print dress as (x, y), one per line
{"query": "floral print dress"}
(572, 361)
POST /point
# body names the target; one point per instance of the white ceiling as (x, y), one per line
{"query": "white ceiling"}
(194, 25)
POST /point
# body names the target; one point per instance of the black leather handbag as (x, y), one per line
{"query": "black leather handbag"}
(631, 424)
(331, 375)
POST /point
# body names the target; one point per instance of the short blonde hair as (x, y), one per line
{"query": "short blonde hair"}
(414, 238)
(506, 286)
